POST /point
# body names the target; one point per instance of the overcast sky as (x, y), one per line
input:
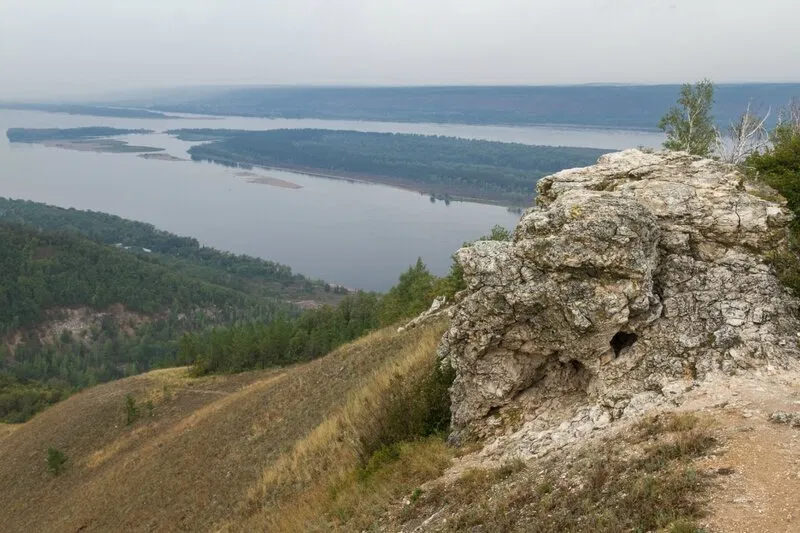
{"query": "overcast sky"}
(71, 47)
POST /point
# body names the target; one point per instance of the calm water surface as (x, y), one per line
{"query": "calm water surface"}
(359, 235)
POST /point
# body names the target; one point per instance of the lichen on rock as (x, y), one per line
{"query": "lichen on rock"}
(628, 281)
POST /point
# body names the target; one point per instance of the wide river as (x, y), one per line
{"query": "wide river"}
(359, 235)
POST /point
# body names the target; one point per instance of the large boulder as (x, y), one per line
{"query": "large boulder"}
(636, 277)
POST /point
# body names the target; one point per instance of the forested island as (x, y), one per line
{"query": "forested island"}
(444, 167)
(36, 135)
(84, 109)
(85, 139)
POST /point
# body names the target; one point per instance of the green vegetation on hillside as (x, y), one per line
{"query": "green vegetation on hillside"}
(442, 166)
(21, 399)
(37, 135)
(39, 271)
(315, 333)
(45, 274)
(778, 165)
(183, 254)
(177, 287)
(312, 334)
(283, 341)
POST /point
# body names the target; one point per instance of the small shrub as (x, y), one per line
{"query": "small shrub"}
(416, 405)
(131, 411)
(56, 461)
(509, 468)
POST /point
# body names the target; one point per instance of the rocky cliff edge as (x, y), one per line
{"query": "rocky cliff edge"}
(629, 284)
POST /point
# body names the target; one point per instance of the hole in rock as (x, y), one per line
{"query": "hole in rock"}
(623, 340)
(576, 366)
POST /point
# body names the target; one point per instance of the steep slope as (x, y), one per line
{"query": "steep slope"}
(190, 463)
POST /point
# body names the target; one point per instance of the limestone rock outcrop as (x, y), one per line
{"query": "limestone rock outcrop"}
(633, 279)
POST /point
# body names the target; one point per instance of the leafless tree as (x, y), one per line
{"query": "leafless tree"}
(746, 136)
(790, 115)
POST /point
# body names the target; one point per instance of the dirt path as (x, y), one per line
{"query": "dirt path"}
(762, 494)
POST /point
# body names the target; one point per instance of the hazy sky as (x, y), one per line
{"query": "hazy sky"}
(69, 47)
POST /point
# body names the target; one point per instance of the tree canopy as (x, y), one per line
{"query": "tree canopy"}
(689, 125)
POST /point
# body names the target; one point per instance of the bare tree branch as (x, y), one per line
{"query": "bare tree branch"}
(746, 136)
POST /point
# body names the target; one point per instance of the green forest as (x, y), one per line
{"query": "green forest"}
(444, 167)
(43, 270)
(44, 273)
(183, 254)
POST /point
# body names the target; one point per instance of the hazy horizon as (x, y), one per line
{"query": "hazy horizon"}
(93, 47)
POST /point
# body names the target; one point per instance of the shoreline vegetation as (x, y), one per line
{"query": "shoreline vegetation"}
(445, 168)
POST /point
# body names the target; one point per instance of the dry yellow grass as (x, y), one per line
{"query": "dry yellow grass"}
(7, 429)
(313, 487)
(208, 444)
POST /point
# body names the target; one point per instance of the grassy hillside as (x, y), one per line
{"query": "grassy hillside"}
(224, 451)
(352, 441)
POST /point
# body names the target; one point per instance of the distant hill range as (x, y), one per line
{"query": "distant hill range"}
(608, 106)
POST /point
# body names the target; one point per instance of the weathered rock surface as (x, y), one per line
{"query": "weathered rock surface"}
(628, 283)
